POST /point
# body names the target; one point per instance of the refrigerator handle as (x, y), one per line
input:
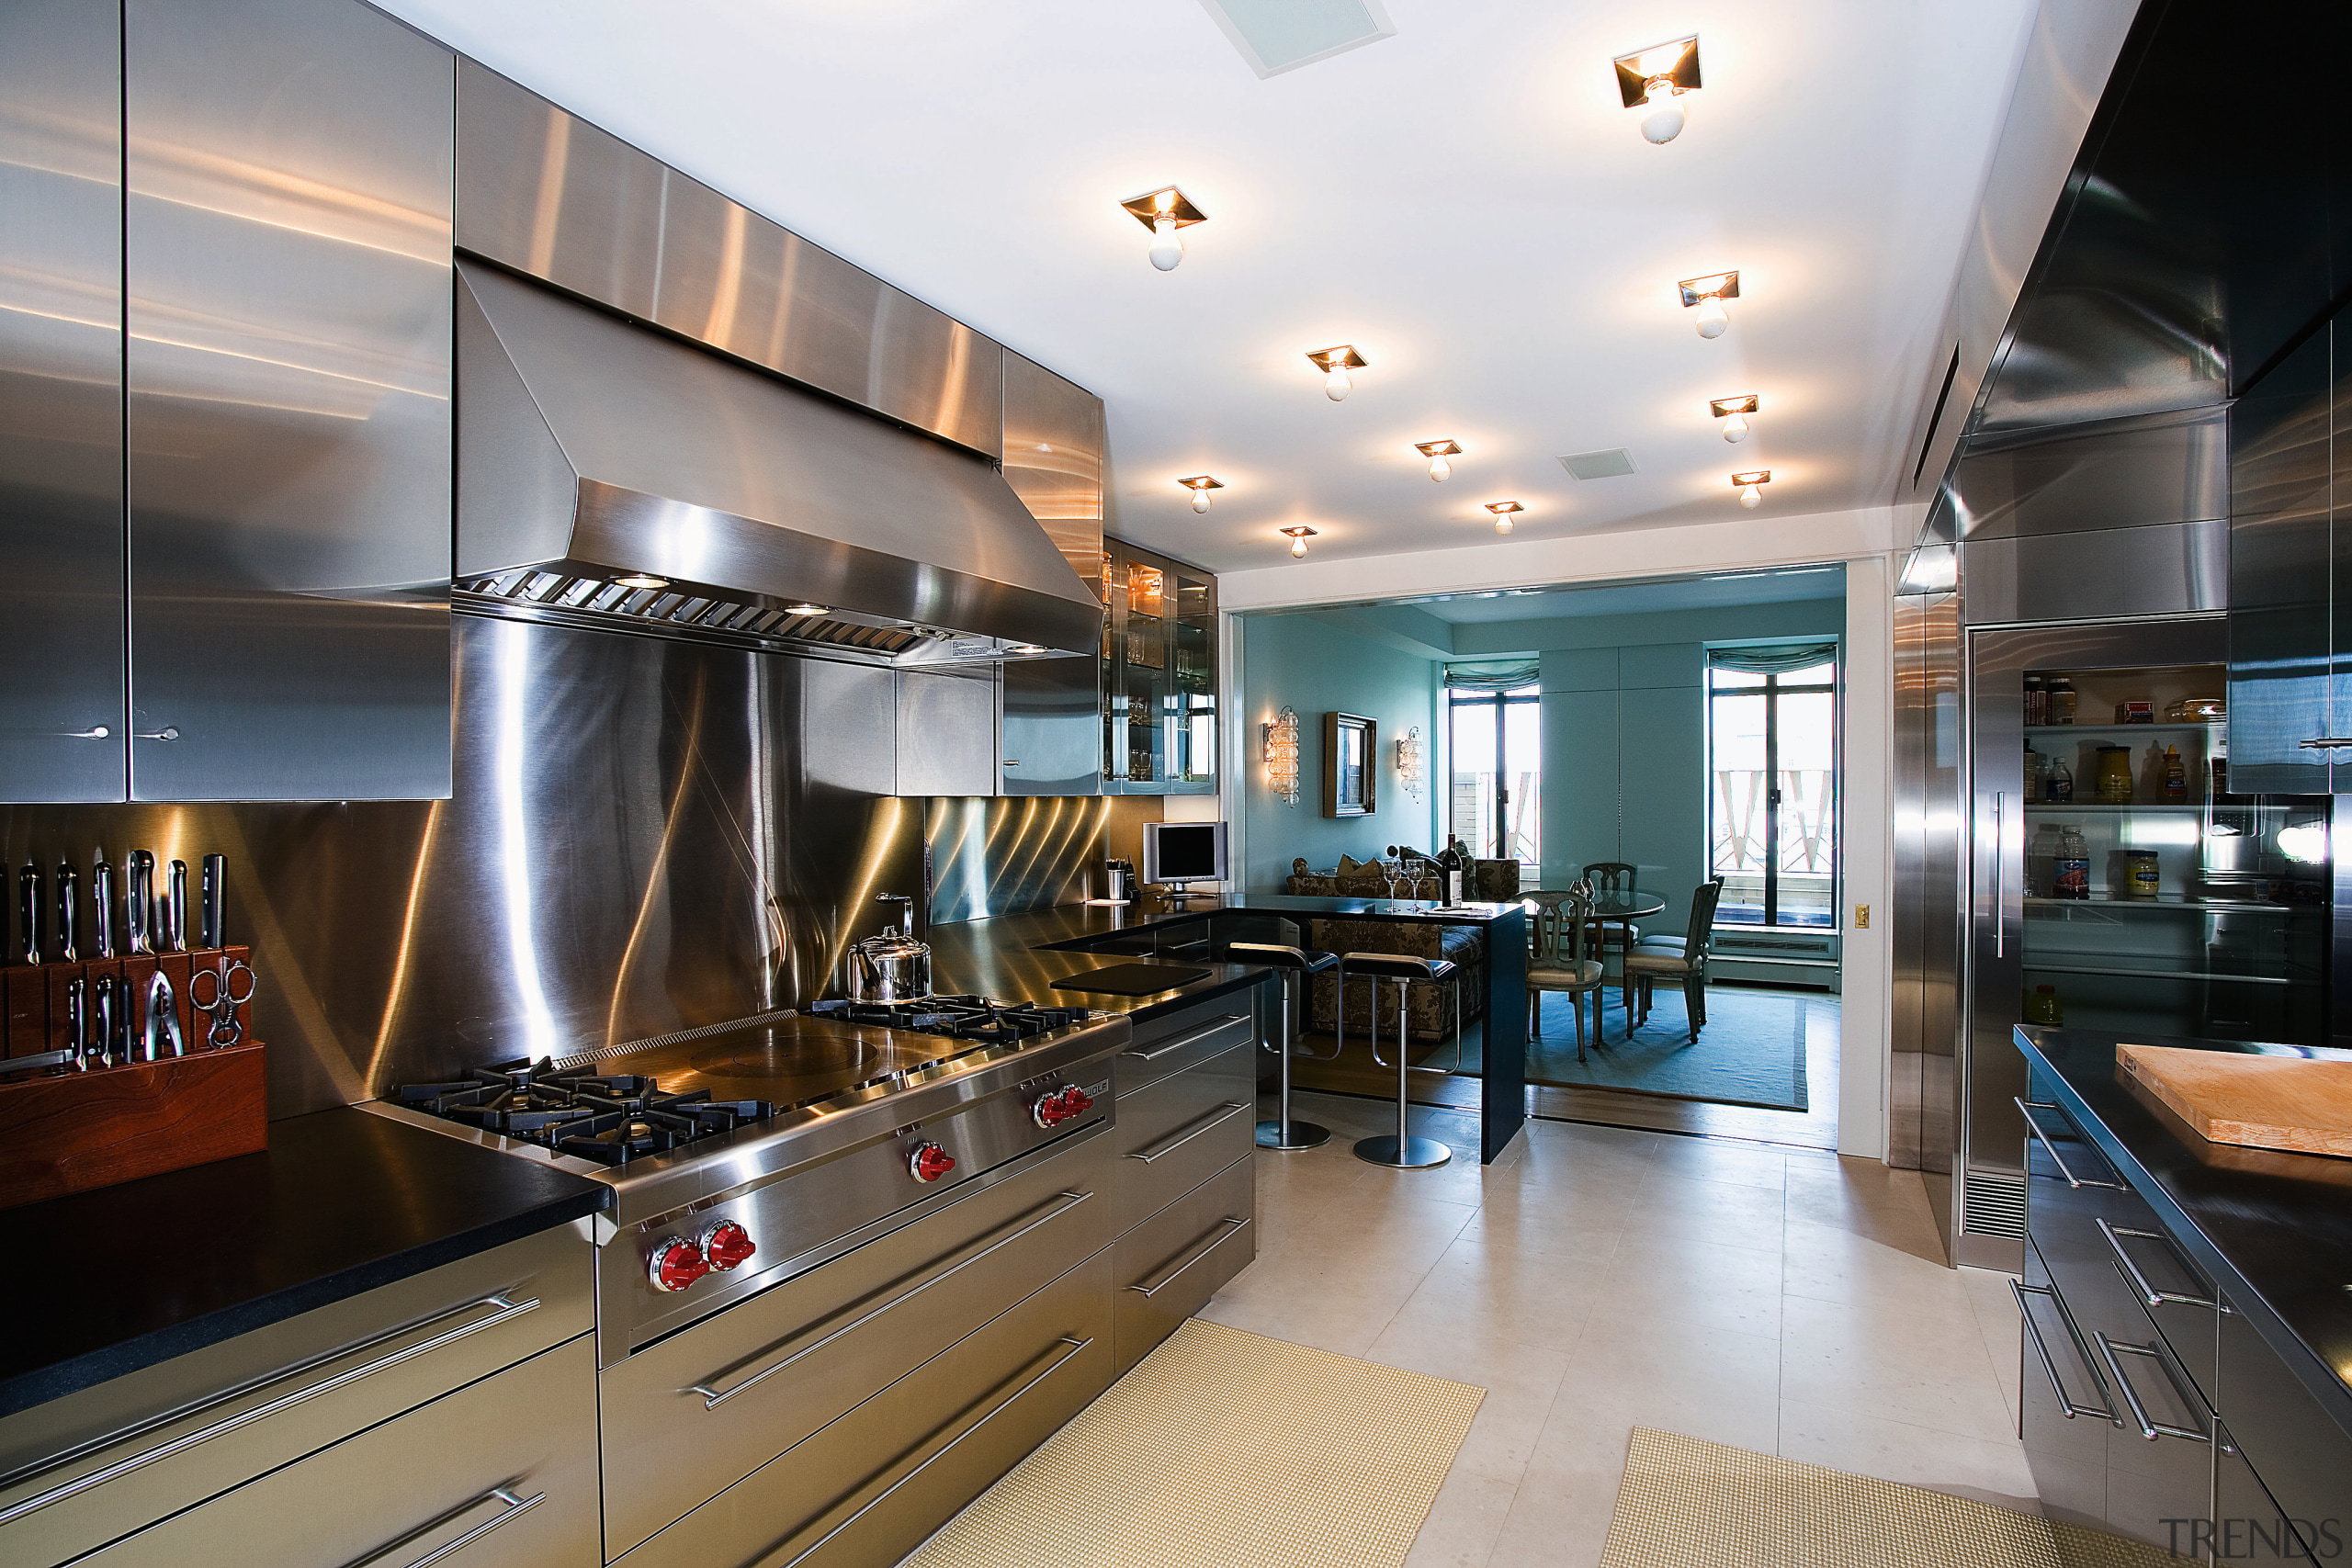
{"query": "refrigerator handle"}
(2000, 863)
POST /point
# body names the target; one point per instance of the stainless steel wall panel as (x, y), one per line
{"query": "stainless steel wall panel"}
(63, 684)
(1053, 452)
(2169, 569)
(2172, 468)
(848, 728)
(1928, 738)
(545, 193)
(287, 238)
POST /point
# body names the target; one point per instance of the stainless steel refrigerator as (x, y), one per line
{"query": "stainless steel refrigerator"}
(2176, 907)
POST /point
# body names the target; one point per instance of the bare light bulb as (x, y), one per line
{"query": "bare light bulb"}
(1735, 428)
(1712, 317)
(1336, 384)
(1298, 547)
(1750, 497)
(1167, 245)
(1439, 469)
(1199, 500)
(1502, 522)
(1664, 113)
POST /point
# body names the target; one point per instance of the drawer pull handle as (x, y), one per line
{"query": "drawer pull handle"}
(1226, 1229)
(2325, 742)
(2149, 1429)
(713, 1397)
(1070, 1349)
(505, 1495)
(2149, 1293)
(2041, 1352)
(1214, 1120)
(1158, 1052)
(2027, 1108)
(507, 1311)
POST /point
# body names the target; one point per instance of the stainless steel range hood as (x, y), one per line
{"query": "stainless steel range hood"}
(593, 451)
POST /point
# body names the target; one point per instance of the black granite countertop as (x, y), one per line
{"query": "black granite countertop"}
(2274, 1229)
(342, 1202)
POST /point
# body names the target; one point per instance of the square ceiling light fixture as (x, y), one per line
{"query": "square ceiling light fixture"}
(1604, 465)
(1275, 35)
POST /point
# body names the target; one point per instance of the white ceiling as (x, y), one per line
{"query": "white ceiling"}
(1714, 591)
(1467, 202)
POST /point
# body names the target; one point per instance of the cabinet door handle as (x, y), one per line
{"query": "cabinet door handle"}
(2139, 1282)
(2326, 743)
(1154, 1054)
(507, 1311)
(2041, 1352)
(2149, 1429)
(2027, 1108)
(1226, 1227)
(505, 1495)
(1214, 1120)
(2000, 870)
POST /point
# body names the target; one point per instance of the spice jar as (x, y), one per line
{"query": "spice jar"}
(2114, 775)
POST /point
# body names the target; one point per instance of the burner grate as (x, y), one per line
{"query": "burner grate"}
(610, 1118)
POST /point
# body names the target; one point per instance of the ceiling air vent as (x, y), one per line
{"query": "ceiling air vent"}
(1275, 35)
(1607, 464)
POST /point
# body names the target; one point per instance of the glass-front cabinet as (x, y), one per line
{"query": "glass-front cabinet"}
(1160, 718)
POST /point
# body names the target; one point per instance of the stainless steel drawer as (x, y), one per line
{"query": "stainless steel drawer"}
(1168, 1267)
(1173, 1045)
(1178, 1131)
(869, 1487)
(702, 1409)
(503, 1473)
(85, 1469)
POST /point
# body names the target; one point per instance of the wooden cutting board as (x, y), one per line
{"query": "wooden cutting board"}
(2266, 1102)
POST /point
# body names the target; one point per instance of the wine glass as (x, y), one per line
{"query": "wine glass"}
(1392, 867)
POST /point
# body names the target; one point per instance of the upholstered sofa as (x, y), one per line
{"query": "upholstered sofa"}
(1430, 1011)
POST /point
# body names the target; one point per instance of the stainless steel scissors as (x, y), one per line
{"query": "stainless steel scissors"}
(217, 994)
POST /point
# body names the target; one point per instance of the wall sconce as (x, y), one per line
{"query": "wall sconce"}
(1298, 535)
(1750, 496)
(1409, 760)
(1280, 740)
(1335, 364)
(1164, 211)
(1654, 80)
(1437, 452)
(1708, 294)
(1733, 412)
(1504, 512)
(1200, 485)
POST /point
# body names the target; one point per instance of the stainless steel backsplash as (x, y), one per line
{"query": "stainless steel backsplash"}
(646, 835)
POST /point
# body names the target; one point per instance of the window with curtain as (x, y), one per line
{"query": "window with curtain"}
(1772, 782)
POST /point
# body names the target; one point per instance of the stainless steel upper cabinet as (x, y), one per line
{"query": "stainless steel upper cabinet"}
(288, 172)
(60, 402)
(2285, 679)
(947, 733)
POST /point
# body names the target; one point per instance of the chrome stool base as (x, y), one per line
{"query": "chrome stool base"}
(1411, 1154)
(1303, 1135)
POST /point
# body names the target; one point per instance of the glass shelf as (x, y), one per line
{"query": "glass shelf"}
(2117, 972)
(2169, 901)
(2100, 806)
(2183, 726)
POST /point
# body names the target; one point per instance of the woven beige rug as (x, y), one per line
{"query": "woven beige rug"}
(1685, 1504)
(1226, 1449)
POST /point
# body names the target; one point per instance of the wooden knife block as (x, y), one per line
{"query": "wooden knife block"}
(70, 1132)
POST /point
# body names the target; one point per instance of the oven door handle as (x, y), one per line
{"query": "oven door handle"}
(507, 1311)
(713, 1396)
(1208, 1123)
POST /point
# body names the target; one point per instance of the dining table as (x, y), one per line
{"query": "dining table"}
(1624, 908)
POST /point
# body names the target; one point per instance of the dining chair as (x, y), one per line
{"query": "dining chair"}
(1683, 958)
(1562, 932)
(1614, 876)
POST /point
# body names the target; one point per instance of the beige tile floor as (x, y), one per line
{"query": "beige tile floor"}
(1598, 1279)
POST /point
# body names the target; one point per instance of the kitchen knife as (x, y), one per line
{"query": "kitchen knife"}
(69, 912)
(105, 1022)
(77, 1023)
(216, 896)
(140, 905)
(29, 912)
(101, 907)
(45, 1060)
(175, 916)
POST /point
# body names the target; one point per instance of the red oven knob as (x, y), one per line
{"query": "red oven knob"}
(1051, 1109)
(1075, 1102)
(929, 1162)
(676, 1264)
(727, 1245)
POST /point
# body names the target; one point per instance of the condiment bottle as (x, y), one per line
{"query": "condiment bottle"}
(2060, 788)
(2071, 872)
(2175, 775)
(2059, 693)
(2043, 1008)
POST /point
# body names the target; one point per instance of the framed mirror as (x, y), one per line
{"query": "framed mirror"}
(1350, 743)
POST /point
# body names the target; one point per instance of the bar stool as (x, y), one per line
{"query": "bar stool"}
(1285, 1131)
(1404, 1152)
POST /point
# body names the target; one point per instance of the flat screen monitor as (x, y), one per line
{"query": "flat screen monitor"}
(1183, 852)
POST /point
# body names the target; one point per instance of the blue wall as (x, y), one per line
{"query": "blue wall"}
(1316, 669)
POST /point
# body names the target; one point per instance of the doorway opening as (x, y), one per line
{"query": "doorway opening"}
(1496, 741)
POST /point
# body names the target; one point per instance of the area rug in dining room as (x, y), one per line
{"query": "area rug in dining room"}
(1752, 1051)
(1226, 1449)
(1687, 1504)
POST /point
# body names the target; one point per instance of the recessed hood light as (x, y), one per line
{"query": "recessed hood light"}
(804, 608)
(639, 580)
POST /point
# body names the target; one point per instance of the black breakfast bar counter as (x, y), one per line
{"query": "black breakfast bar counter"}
(1023, 955)
(126, 1277)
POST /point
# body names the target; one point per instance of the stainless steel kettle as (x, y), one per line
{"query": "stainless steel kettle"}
(893, 967)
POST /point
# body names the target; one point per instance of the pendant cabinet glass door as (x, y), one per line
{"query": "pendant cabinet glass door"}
(2146, 904)
(1160, 718)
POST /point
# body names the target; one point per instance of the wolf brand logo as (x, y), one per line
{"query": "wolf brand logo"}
(2274, 1538)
